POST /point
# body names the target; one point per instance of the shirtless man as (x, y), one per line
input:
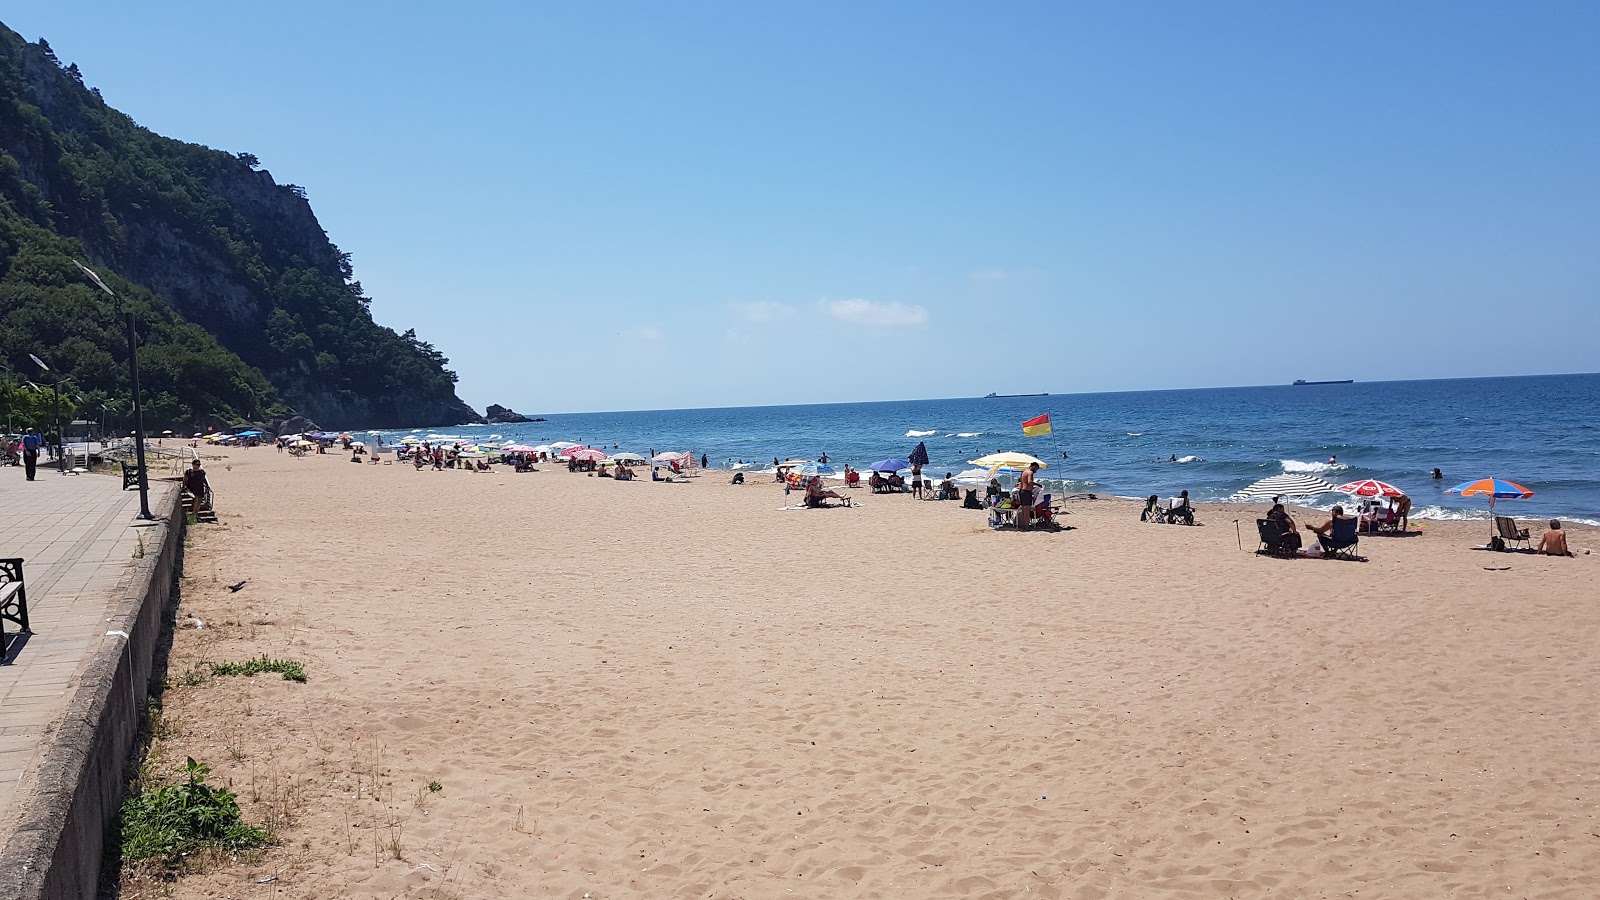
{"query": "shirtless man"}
(1554, 541)
(1024, 498)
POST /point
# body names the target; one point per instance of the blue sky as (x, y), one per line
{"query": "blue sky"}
(625, 206)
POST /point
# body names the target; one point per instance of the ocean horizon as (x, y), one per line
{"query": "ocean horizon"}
(1542, 431)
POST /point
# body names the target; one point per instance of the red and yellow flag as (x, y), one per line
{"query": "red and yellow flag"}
(1036, 426)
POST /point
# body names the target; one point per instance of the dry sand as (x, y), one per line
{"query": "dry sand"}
(649, 690)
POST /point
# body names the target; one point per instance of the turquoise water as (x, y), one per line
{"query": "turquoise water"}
(1540, 431)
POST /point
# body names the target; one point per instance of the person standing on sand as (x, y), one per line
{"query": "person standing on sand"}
(703, 462)
(916, 480)
(1024, 500)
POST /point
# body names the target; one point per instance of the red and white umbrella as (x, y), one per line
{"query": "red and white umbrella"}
(1370, 487)
(587, 454)
(568, 451)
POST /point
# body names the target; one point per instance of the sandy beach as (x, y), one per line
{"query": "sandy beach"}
(680, 690)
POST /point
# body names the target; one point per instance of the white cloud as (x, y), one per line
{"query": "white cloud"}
(759, 311)
(869, 312)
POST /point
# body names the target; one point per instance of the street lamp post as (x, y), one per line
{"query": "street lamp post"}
(133, 371)
(55, 405)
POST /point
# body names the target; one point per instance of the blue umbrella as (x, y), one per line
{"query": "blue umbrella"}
(810, 469)
(890, 465)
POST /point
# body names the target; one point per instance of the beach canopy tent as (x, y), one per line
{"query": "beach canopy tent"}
(1494, 489)
(890, 465)
(1370, 487)
(919, 454)
(1008, 460)
(628, 457)
(1287, 485)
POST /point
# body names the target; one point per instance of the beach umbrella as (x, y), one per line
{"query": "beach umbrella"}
(360, 444)
(410, 440)
(919, 455)
(562, 445)
(629, 457)
(304, 443)
(1494, 489)
(814, 468)
(586, 454)
(1289, 485)
(793, 463)
(973, 477)
(568, 451)
(890, 465)
(1008, 460)
(1370, 487)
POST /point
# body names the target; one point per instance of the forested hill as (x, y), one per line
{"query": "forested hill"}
(194, 237)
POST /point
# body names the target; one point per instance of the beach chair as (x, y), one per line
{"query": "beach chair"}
(1153, 512)
(1272, 540)
(1044, 513)
(1180, 514)
(1506, 529)
(1341, 543)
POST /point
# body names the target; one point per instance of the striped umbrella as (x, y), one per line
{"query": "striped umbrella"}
(1285, 486)
(586, 454)
(1370, 487)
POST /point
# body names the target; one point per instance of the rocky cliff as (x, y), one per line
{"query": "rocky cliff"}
(218, 240)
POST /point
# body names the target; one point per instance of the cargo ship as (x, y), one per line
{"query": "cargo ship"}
(1300, 381)
(1003, 396)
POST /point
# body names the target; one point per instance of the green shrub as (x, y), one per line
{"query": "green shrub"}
(290, 669)
(167, 822)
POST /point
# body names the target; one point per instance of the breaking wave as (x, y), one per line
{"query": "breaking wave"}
(1297, 467)
(914, 433)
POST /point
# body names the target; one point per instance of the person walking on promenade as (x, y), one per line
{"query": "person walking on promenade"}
(30, 452)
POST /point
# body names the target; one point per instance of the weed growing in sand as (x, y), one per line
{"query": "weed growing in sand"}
(435, 787)
(290, 669)
(138, 552)
(167, 823)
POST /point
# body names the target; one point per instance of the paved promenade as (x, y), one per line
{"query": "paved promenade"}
(78, 541)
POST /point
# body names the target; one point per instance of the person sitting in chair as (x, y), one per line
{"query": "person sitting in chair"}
(993, 490)
(1554, 541)
(1290, 534)
(947, 488)
(738, 478)
(896, 483)
(1325, 530)
(876, 482)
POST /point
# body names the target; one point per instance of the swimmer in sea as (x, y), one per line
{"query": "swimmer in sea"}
(1174, 458)
(1437, 475)
(1333, 460)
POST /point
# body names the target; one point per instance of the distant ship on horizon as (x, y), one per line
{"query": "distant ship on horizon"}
(1003, 396)
(1300, 381)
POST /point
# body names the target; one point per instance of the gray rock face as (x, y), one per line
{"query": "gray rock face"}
(504, 415)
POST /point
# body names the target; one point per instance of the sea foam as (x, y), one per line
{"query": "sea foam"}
(922, 433)
(1297, 467)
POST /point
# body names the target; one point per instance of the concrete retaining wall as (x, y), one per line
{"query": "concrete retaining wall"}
(57, 849)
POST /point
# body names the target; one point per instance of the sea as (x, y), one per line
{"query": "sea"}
(1542, 432)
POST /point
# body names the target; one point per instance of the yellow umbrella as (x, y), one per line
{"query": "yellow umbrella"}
(304, 443)
(1009, 460)
(408, 439)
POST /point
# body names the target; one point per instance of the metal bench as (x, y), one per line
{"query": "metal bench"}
(13, 604)
(130, 476)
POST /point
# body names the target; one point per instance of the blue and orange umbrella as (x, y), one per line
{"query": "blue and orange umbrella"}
(1494, 489)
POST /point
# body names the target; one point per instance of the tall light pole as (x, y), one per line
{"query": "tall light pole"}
(133, 371)
(55, 404)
